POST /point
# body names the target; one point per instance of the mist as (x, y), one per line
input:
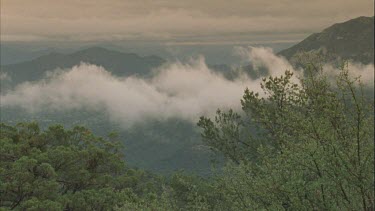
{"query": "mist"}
(4, 77)
(177, 90)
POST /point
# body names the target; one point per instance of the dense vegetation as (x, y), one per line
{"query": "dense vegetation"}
(158, 145)
(301, 145)
(314, 149)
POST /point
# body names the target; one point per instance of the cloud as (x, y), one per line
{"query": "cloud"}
(365, 73)
(4, 77)
(184, 91)
(169, 20)
(178, 90)
(263, 57)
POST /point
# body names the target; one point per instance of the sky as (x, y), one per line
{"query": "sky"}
(173, 22)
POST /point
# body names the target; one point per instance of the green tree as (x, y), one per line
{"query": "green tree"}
(304, 145)
(60, 169)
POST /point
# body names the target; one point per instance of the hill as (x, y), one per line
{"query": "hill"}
(161, 146)
(118, 63)
(350, 40)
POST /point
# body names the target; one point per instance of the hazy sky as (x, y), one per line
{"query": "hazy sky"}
(187, 22)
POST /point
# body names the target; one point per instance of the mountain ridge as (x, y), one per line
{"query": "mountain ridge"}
(118, 63)
(350, 40)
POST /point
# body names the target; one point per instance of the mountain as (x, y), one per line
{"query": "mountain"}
(350, 40)
(118, 63)
(166, 146)
(161, 146)
(12, 55)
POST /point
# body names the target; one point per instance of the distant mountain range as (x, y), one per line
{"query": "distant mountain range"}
(118, 63)
(12, 55)
(175, 144)
(351, 40)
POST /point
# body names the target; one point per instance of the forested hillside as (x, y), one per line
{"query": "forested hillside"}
(167, 145)
(165, 105)
(313, 150)
(350, 40)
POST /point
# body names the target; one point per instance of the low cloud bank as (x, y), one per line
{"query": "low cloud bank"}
(4, 77)
(264, 57)
(365, 73)
(178, 90)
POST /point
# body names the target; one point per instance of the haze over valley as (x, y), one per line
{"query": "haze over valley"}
(190, 93)
(108, 90)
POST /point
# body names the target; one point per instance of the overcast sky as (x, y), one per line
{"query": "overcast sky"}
(185, 22)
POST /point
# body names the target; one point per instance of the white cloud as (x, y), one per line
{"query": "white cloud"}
(178, 90)
(365, 73)
(263, 57)
(181, 90)
(4, 76)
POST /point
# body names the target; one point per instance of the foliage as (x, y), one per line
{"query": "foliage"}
(61, 169)
(314, 148)
(302, 144)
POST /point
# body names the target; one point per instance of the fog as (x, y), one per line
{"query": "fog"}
(177, 90)
(364, 73)
(4, 77)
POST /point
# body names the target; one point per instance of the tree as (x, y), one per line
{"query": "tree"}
(302, 144)
(60, 169)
